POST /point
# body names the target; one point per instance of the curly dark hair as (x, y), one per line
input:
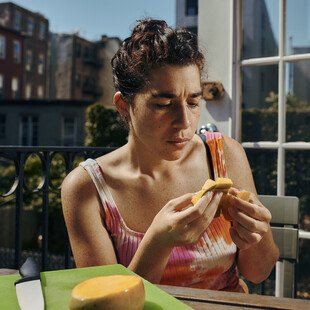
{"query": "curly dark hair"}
(152, 44)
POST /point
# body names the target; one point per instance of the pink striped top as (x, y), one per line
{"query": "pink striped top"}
(208, 264)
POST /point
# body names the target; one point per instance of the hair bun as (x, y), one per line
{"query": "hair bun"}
(150, 25)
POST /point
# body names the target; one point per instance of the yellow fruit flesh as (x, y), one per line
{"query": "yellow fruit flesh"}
(224, 203)
(220, 184)
(109, 292)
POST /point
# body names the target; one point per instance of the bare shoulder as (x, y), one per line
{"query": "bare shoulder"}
(237, 164)
(76, 181)
(77, 189)
(232, 144)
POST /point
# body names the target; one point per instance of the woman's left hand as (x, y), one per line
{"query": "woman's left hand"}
(250, 221)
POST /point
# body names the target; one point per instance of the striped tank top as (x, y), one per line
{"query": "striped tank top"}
(209, 264)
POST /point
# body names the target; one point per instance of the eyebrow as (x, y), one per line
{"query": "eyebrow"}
(172, 95)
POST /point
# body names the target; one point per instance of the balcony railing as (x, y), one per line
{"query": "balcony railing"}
(15, 159)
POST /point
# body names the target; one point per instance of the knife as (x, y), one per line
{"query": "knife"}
(28, 288)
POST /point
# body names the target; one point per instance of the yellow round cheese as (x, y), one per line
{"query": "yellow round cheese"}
(109, 293)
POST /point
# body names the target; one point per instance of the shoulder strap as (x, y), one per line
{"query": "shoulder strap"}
(92, 167)
(209, 156)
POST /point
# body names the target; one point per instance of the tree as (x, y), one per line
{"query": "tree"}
(104, 127)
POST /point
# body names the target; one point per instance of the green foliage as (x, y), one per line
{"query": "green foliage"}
(292, 102)
(104, 127)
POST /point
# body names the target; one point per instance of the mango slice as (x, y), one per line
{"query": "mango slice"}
(109, 293)
(220, 184)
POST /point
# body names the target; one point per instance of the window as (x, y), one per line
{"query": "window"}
(16, 51)
(40, 91)
(191, 7)
(30, 26)
(1, 86)
(29, 60)
(29, 127)
(2, 47)
(77, 80)
(15, 88)
(78, 50)
(265, 67)
(28, 91)
(17, 20)
(2, 125)
(274, 117)
(69, 131)
(41, 64)
(42, 29)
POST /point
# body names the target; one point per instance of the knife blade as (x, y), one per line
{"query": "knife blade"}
(28, 288)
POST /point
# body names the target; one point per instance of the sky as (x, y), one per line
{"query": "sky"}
(297, 19)
(93, 18)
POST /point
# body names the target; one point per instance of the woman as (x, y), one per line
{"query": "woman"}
(133, 206)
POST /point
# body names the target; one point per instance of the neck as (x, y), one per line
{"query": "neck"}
(146, 162)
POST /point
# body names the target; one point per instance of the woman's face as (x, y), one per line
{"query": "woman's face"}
(164, 116)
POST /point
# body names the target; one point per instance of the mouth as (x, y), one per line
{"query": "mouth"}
(178, 142)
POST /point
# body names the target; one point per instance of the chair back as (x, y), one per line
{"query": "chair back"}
(284, 225)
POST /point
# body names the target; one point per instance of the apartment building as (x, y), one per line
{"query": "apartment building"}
(11, 63)
(32, 46)
(187, 14)
(80, 69)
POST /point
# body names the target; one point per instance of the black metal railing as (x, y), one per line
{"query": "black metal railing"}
(15, 160)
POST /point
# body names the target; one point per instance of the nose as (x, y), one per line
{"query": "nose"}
(181, 117)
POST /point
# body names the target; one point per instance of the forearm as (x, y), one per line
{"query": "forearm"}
(262, 255)
(150, 259)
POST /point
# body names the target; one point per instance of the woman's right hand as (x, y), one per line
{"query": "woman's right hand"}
(177, 223)
(180, 223)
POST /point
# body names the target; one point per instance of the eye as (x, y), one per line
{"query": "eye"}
(163, 105)
(193, 104)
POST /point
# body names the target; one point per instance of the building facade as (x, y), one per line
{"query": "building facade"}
(80, 69)
(187, 14)
(42, 122)
(33, 28)
(11, 63)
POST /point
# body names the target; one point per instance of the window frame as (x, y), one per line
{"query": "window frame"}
(15, 92)
(280, 60)
(17, 51)
(3, 121)
(32, 128)
(2, 86)
(30, 26)
(17, 21)
(2, 47)
(64, 135)
(189, 7)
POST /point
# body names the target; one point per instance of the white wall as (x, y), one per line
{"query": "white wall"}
(215, 37)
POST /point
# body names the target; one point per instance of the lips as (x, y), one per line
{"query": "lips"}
(178, 140)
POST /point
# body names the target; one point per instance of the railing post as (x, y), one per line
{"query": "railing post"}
(19, 208)
(45, 208)
(69, 165)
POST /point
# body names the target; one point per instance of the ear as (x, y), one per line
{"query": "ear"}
(121, 104)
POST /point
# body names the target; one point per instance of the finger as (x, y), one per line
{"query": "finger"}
(250, 237)
(233, 191)
(195, 211)
(204, 201)
(180, 203)
(251, 224)
(202, 222)
(254, 210)
(238, 241)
